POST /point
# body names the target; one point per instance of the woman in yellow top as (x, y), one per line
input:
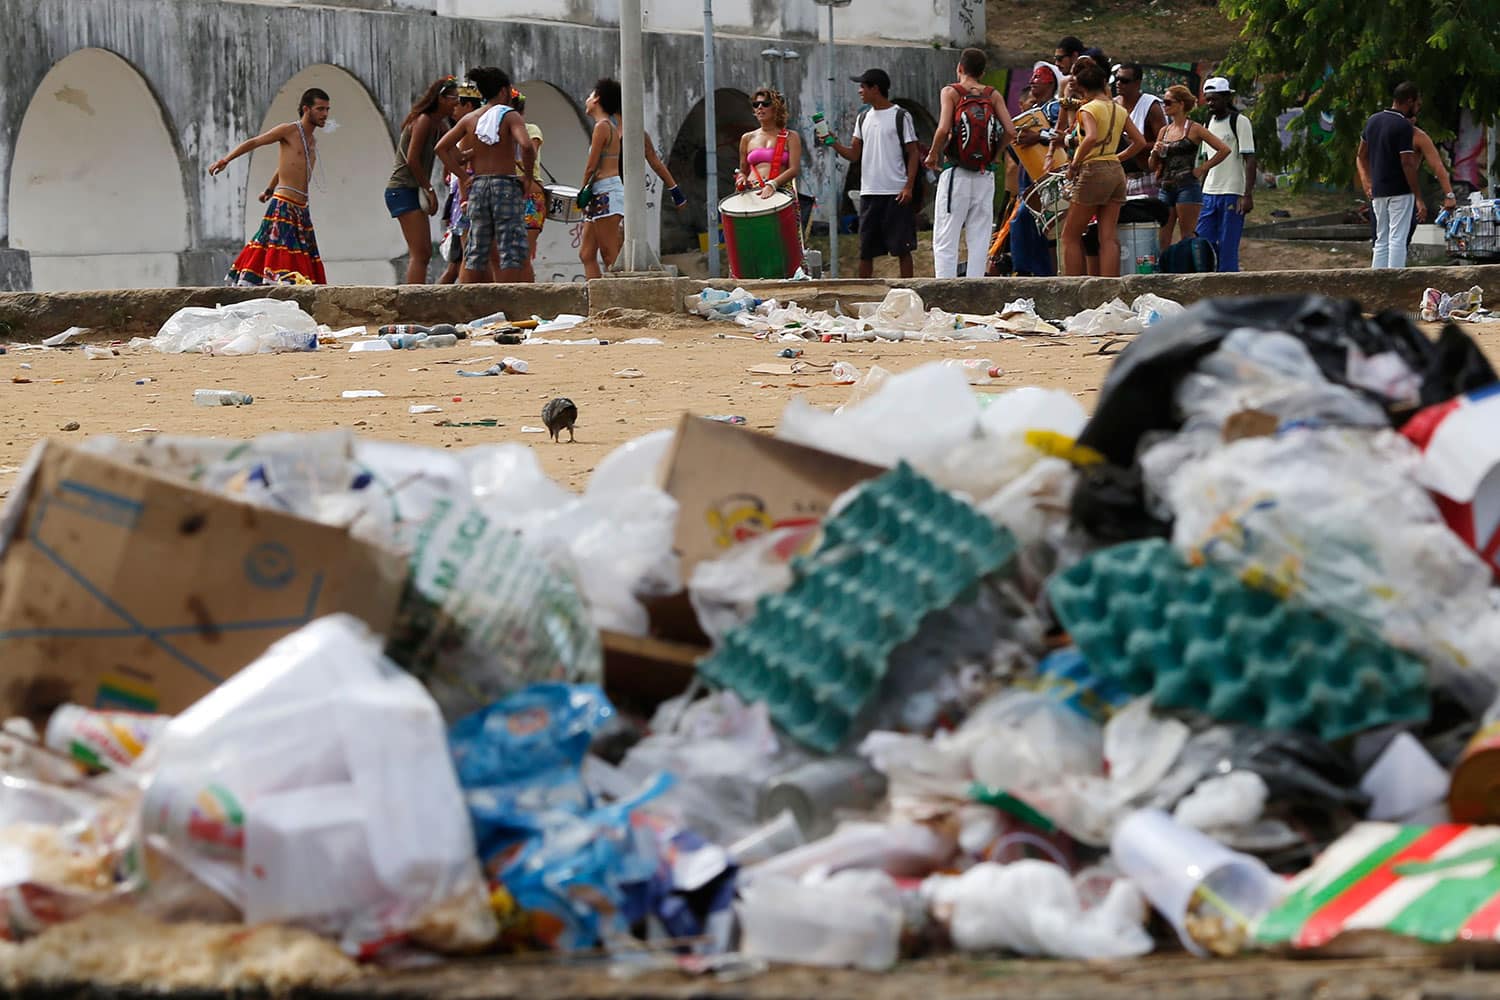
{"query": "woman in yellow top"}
(1096, 171)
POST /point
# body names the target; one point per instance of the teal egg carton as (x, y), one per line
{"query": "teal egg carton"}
(1198, 638)
(816, 653)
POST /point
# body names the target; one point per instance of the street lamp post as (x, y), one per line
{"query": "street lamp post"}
(710, 139)
(636, 255)
(832, 194)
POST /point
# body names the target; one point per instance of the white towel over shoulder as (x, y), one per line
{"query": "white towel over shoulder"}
(488, 129)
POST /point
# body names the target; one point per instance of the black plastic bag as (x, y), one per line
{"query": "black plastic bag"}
(1138, 394)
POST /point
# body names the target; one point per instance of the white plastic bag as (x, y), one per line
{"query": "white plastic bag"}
(828, 924)
(1112, 317)
(1033, 908)
(315, 787)
(918, 416)
(255, 326)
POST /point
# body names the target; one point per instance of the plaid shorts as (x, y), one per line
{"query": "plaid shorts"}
(497, 213)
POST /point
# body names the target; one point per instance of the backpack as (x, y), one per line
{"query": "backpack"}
(1193, 255)
(976, 130)
(904, 116)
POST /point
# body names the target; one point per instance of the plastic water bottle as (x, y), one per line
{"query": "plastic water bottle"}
(221, 397)
(405, 341)
(844, 373)
(493, 319)
(821, 132)
(398, 329)
(284, 341)
(515, 366)
(439, 340)
(979, 371)
(815, 793)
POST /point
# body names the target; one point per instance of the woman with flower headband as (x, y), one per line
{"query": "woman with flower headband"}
(408, 194)
(456, 212)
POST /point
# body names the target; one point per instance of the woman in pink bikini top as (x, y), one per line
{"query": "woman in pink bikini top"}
(771, 142)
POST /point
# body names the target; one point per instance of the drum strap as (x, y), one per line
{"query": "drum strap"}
(777, 153)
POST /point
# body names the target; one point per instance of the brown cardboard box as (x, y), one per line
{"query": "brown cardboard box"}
(732, 484)
(120, 588)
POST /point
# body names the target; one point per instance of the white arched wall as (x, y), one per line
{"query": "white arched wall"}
(96, 191)
(357, 238)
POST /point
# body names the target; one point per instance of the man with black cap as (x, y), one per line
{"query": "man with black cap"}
(1229, 188)
(885, 147)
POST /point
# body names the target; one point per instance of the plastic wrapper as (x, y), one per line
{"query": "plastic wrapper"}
(724, 591)
(722, 752)
(314, 787)
(1271, 373)
(919, 416)
(1333, 518)
(1034, 908)
(63, 853)
(255, 326)
(487, 612)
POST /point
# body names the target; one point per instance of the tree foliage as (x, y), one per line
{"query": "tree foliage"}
(1344, 57)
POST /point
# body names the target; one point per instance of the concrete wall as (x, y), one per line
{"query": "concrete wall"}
(195, 77)
(947, 22)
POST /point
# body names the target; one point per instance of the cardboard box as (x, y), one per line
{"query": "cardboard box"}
(120, 588)
(733, 484)
(1461, 466)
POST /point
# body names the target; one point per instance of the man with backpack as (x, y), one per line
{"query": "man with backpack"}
(890, 163)
(1229, 188)
(973, 127)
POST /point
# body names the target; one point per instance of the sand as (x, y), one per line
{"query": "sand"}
(692, 370)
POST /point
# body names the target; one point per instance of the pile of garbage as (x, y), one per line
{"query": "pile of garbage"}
(1213, 669)
(902, 315)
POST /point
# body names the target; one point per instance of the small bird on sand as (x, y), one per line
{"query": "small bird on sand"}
(560, 415)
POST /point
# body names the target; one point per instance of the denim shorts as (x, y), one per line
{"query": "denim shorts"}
(399, 201)
(1186, 194)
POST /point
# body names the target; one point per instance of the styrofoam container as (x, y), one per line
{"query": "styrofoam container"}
(785, 921)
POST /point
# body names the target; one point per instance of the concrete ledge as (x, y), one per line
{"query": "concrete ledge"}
(1059, 298)
(32, 316)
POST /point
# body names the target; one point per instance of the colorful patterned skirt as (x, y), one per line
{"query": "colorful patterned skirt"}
(283, 251)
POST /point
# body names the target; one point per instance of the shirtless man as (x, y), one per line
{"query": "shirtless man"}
(284, 250)
(496, 195)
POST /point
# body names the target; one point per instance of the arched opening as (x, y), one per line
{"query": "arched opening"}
(688, 162)
(925, 125)
(96, 187)
(356, 236)
(565, 152)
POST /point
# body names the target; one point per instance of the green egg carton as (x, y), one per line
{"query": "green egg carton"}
(1198, 638)
(816, 653)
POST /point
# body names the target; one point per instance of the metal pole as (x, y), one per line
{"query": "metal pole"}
(710, 140)
(636, 255)
(832, 197)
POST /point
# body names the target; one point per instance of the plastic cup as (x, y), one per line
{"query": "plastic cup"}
(780, 835)
(1172, 864)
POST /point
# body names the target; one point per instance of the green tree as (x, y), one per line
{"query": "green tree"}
(1345, 58)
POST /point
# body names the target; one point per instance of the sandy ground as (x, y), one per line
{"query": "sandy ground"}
(692, 370)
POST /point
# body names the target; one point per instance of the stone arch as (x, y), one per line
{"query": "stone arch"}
(357, 238)
(925, 125)
(97, 194)
(688, 163)
(565, 153)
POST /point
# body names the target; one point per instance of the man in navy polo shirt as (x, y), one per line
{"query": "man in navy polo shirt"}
(1388, 171)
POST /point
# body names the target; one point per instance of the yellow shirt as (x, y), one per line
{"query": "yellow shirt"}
(534, 132)
(1110, 119)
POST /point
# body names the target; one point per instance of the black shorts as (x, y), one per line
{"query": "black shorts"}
(886, 227)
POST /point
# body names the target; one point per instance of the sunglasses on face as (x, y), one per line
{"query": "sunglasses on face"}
(760, 104)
